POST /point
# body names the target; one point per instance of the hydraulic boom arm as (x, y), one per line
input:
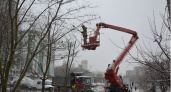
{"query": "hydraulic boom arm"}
(111, 73)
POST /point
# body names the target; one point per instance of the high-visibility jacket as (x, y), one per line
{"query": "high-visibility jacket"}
(84, 31)
(73, 87)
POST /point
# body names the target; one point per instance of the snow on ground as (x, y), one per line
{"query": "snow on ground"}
(101, 89)
(137, 90)
(97, 84)
(98, 89)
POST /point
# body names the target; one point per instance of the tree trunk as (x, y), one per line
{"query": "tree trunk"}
(4, 88)
(162, 88)
(43, 84)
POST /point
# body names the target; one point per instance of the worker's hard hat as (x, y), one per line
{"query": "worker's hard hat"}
(83, 26)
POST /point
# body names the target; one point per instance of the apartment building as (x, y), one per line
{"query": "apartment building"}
(27, 47)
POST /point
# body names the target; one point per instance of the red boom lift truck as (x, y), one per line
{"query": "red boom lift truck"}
(116, 84)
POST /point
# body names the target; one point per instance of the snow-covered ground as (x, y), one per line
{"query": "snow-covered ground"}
(98, 89)
(137, 90)
(101, 89)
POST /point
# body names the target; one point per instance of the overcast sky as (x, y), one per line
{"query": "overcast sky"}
(131, 14)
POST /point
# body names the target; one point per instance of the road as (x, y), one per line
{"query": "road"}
(101, 89)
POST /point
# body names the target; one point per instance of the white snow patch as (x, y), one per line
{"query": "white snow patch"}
(97, 84)
(98, 89)
(137, 90)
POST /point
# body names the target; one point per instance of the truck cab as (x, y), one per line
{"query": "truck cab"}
(83, 83)
(75, 79)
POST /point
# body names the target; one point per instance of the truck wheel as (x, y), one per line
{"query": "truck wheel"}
(34, 89)
(77, 90)
(50, 89)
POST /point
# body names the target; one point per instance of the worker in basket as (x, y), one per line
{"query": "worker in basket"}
(84, 32)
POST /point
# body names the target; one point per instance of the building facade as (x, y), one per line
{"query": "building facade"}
(26, 49)
(84, 64)
(134, 74)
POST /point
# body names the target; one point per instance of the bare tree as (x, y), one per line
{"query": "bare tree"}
(71, 55)
(19, 15)
(156, 60)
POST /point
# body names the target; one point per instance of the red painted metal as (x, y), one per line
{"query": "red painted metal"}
(79, 84)
(111, 73)
(93, 41)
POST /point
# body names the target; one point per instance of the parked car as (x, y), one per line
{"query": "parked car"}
(37, 85)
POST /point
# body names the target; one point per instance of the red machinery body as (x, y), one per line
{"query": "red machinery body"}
(93, 41)
(111, 73)
(82, 83)
(79, 84)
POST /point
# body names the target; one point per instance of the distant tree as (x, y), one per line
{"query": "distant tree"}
(152, 78)
(156, 60)
(70, 56)
(99, 74)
